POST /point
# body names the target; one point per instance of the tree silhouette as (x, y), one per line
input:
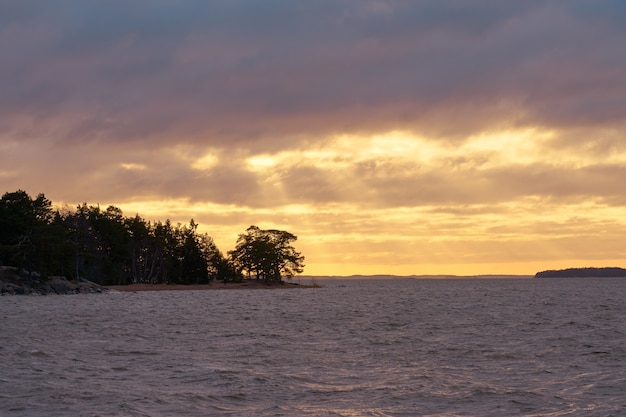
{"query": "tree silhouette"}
(267, 254)
(107, 247)
(25, 240)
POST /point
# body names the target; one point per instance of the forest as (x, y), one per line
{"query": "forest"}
(106, 247)
(589, 272)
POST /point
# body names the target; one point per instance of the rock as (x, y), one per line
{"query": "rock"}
(61, 286)
(8, 288)
(14, 281)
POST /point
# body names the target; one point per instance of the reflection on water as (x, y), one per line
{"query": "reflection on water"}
(352, 348)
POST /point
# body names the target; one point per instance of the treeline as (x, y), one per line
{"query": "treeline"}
(606, 272)
(108, 248)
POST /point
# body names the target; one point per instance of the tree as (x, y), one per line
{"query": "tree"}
(105, 246)
(84, 240)
(26, 238)
(167, 240)
(267, 254)
(114, 248)
(194, 266)
(213, 257)
(147, 252)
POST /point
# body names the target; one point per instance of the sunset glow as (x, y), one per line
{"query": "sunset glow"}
(413, 138)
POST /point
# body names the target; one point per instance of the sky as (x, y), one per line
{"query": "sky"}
(392, 137)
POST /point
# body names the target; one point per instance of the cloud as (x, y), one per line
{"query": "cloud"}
(244, 72)
(321, 115)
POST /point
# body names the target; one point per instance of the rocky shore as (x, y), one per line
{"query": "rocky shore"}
(15, 281)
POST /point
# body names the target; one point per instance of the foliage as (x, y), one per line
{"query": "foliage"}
(103, 246)
(267, 254)
(108, 248)
(25, 232)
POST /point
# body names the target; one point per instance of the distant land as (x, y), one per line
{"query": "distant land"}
(607, 272)
(386, 276)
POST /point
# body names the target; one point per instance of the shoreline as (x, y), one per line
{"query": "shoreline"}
(206, 287)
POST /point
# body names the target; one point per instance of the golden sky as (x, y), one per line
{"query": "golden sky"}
(392, 137)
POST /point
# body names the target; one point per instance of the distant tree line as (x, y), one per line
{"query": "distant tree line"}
(606, 272)
(108, 248)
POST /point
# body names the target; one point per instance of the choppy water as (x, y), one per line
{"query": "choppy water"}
(501, 347)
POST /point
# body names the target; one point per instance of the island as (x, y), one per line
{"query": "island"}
(605, 272)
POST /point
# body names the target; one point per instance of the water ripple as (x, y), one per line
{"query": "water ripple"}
(352, 348)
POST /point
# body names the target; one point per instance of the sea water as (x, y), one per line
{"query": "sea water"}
(394, 347)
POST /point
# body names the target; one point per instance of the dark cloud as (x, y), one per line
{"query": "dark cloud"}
(274, 72)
